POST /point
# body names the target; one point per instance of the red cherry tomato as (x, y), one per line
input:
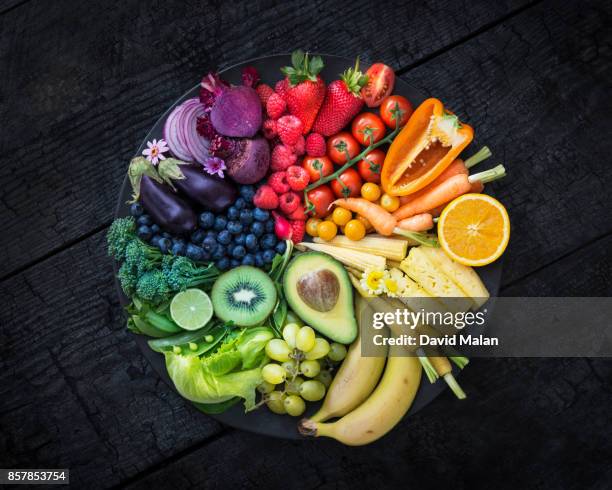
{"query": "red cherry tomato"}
(381, 79)
(317, 165)
(335, 150)
(389, 104)
(351, 180)
(368, 121)
(321, 198)
(369, 168)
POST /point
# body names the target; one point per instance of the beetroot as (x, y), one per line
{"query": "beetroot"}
(250, 160)
(237, 112)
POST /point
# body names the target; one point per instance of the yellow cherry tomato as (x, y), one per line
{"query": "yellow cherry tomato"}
(390, 203)
(311, 226)
(341, 216)
(354, 230)
(366, 223)
(327, 230)
(370, 191)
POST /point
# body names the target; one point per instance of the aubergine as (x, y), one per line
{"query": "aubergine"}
(170, 211)
(208, 191)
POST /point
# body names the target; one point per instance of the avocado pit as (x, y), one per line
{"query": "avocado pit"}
(319, 289)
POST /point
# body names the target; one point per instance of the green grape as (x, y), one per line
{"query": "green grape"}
(294, 405)
(265, 387)
(290, 367)
(337, 352)
(310, 368)
(324, 377)
(312, 390)
(293, 318)
(273, 373)
(289, 333)
(293, 387)
(305, 339)
(320, 349)
(276, 402)
(278, 350)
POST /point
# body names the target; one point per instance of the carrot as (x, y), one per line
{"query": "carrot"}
(447, 191)
(435, 212)
(418, 222)
(382, 221)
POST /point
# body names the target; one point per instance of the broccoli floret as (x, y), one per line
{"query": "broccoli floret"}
(142, 256)
(182, 273)
(152, 287)
(128, 277)
(121, 232)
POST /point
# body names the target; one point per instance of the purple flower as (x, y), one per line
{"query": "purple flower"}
(155, 150)
(214, 166)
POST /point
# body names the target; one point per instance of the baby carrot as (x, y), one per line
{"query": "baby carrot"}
(418, 222)
(382, 221)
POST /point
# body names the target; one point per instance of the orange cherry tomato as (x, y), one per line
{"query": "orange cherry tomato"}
(351, 180)
(369, 168)
(389, 104)
(366, 121)
(339, 144)
(381, 79)
(317, 165)
(321, 197)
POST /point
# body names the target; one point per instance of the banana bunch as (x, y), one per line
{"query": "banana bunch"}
(368, 408)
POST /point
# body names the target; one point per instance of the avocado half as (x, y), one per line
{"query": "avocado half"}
(318, 289)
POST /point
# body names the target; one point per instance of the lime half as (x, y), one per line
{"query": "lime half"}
(191, 309)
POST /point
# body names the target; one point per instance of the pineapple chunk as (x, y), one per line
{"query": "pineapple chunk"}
(350, 258)
(391, 248)
(465, 277)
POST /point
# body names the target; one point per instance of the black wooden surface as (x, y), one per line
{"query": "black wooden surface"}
(81, 83)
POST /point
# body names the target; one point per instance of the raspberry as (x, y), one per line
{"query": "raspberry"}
(297, 178)
(315, 145)
(289, 129)
(282, 157)
(269, 129)
(298, 214)
(281, 87)
(297, 230)
(275, 107)
(299, 148)
(265, 198)
(278, 182)
(264, 91)
(289, 202)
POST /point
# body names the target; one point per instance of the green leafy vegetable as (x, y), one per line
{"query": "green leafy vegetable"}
(216, 408)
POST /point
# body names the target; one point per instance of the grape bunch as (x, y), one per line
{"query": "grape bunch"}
(303, 366)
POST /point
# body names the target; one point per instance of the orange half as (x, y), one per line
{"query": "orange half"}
(474, 229)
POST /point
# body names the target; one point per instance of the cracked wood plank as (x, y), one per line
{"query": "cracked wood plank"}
(82, 82)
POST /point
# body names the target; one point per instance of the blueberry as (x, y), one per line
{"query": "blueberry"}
(155, 240)
(224, 237)
(223, 264)
(257, 228)
(144, 233)
(136, 210)
(239, 239)
(246, 216)
(220, 223)
(268, 241)
(240, 203)
(250, 241)
(165, 234)
(268, 256)
(145, 219)
(164, 245)
(234, 227)
(205, 255)
(218, 253)
(247, 192)
(249, 259)
(234, 263)
(259, 261)
(193, 252)
(233, 213)
(261, 214)
(154, 228)
(211, 233)
(238, 252)
(280, 248)
(178, 248)
(269, 225)
(198, 236)
(206, 220)
(209, 243)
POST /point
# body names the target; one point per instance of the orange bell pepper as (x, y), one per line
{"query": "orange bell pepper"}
(428, 144)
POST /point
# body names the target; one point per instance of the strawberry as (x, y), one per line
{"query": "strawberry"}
(264, 91)
(315, 145)
(342, 102)
(289, 202)
(269, 129)
(297, 178)
(289, 129)
(276, 106)
(265, 198)
(298, 214)
(278, 182)
(297, 230)
(306, 89)
(282, 157)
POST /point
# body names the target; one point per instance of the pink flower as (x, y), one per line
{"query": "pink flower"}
(155, 151)
(214, 166)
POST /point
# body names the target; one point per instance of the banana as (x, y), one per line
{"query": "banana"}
(355, 379)
(381, 411)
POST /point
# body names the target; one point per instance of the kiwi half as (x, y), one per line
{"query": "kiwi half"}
(245, 295)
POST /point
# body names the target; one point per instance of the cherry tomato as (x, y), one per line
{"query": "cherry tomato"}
(390, 203)
(311, 165)
(370, 191)
(335, 144)
(365, 222)
(381, 79)
(327, 230)
(369, 168)
(311, 226)
(354, 230)
(351, 180)
(321, 198)
(364, 121)
(389, 105)
(341, 216)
